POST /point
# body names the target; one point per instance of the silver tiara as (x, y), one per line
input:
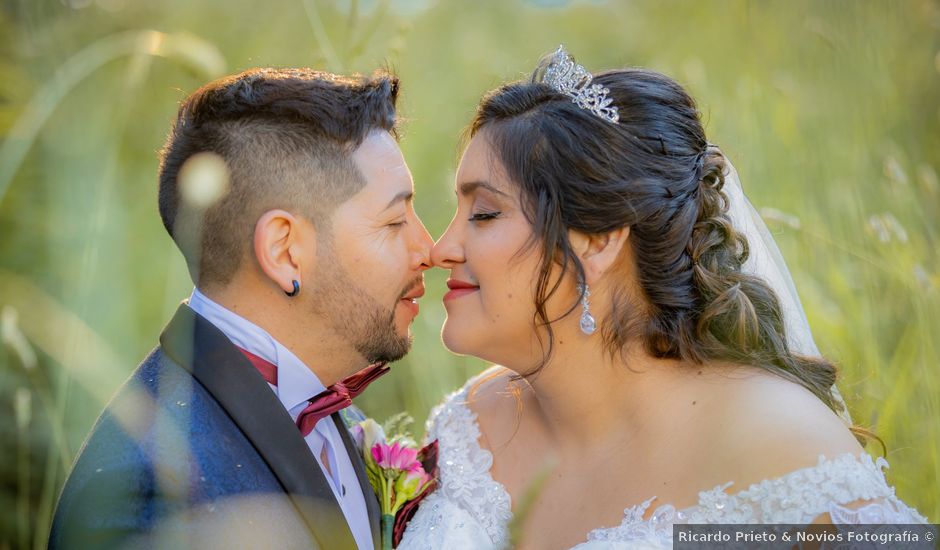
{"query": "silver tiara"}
(573, 80)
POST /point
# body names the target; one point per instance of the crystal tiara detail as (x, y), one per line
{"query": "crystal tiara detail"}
(573, 80)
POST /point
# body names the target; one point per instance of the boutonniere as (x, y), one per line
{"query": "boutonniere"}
(400, 473)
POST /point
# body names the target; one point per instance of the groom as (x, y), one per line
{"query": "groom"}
(289, 198)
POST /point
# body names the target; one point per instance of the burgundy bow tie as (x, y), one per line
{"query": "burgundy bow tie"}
(335, 398)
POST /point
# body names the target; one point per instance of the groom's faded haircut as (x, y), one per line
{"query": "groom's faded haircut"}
(286, 137)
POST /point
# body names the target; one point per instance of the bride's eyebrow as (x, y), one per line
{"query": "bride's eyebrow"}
(469, 187)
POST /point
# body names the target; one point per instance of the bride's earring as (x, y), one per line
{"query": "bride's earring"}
(588, 324)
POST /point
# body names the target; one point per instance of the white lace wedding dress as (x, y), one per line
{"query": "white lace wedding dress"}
(470, 510)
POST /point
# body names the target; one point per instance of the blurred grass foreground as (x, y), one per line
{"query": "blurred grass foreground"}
(830, 111)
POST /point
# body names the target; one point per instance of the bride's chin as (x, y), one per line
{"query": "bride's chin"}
(454, 339)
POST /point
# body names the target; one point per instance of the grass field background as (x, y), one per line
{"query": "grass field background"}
(830, 111)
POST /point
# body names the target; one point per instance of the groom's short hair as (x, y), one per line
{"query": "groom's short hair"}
(286, 137)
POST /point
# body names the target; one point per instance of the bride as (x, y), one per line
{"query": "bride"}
(656, 358)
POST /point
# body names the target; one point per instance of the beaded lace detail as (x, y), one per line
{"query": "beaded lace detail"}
(832, 486)
(465, 473)
(851, 489)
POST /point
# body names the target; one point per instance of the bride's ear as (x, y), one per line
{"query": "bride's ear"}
(598, 253)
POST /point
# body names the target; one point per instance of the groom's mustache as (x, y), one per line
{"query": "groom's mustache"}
(415, 287)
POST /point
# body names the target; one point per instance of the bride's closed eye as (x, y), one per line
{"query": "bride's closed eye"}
(484, 216)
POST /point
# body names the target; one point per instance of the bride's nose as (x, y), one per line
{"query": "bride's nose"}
(448, 250)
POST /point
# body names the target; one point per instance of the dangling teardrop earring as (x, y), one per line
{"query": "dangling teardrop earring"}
(588, 324)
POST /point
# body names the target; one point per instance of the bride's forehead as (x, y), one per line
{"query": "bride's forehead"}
(477, 150)
(480, 162)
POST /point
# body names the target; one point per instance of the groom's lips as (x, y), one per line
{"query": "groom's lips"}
(459, 288)
(410, 300)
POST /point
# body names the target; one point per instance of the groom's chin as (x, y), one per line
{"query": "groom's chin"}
(392, 351)
(403, 349)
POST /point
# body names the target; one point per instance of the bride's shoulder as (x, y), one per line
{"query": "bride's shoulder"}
(775, 453)
(779, 425)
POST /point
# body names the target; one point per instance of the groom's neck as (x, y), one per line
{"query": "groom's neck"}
(296, 328)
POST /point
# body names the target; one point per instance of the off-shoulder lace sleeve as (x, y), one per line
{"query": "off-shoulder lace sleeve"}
(883, 509)
(465, 467)
(851, 489)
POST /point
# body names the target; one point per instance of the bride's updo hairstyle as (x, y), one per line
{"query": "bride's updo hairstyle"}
(655, 172)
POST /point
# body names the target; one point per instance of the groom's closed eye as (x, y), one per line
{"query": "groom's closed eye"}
(404, 196)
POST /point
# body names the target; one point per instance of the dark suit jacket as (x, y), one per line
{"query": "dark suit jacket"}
(196, 450)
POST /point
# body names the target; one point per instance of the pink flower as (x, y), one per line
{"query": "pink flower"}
(395, 457)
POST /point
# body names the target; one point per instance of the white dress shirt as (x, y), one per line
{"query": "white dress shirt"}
(296, 384)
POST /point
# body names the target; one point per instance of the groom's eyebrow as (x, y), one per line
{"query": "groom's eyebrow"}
(470, 186)
(403, 196)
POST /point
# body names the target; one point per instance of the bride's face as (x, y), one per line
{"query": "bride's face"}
(490, 308)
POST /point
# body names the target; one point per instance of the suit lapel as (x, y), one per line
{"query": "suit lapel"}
(372, 501)
(216, 363)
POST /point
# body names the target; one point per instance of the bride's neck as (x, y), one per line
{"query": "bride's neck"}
(586, 398)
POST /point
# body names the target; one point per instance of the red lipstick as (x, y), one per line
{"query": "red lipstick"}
(459, 288)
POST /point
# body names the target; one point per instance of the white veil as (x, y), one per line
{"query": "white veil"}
(766, 262)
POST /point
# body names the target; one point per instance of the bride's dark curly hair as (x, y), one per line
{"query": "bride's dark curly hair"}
(655, 172)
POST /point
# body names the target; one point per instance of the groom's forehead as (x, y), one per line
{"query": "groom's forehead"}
(379, 149)
(380, 161)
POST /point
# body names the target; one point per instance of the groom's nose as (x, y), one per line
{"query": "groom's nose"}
(421, 246)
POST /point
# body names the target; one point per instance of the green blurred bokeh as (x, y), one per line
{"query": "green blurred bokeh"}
(830, 111)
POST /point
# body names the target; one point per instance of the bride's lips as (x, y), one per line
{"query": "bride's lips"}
(410, 300)
(459, 288)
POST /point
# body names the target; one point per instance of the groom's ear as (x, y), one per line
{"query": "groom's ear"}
(285, 247)
(598, 252)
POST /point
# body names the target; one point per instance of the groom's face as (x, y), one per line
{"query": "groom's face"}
(370, 265)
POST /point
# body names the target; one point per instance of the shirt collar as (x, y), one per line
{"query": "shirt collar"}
(296, 383)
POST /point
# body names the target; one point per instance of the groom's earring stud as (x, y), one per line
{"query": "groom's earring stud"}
(296, 290)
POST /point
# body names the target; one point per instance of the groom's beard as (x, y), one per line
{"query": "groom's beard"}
(353, 314)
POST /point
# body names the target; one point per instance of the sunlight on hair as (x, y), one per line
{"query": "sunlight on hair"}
(204, 179)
